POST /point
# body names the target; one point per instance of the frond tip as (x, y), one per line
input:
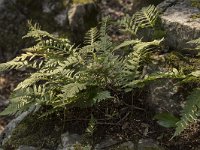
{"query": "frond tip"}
(144, 18)
(190, 112)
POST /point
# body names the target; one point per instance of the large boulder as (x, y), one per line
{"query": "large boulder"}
(180, 21)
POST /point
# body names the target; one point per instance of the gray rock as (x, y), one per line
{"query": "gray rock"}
(148, 144)
(3, 101)
(68, 141)
(61, 18)
(162, 94)
(11, 32)
(106, 143)
(126, 146)
(23, 147)
(178, 22)
(14, 14)
(166, 4)
(138, 4)
(81, 18)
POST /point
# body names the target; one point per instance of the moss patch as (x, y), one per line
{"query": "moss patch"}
(41, 133)
(82, 1)
(195, 3)
(195, 16)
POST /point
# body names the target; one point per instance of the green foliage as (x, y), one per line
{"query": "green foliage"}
(144, 18)
(166, 120)
(195, 3)
(190, 112)
(197, 43)
(69, 76)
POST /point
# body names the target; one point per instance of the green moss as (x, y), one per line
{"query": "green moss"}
(179, 61)
(82, 1)
(195, 3)
(35, 132)
(195, 16)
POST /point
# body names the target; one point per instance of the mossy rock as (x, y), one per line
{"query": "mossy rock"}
(41, 133)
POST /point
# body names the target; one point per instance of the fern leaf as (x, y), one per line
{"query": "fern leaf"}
(36, 33)
(196, 73)
(103, 95)
(195, 42)
(31, 80)
(18, 102)
(91, 36)
(70, 90)
(126, 43)
(147, 16)
(142, 19)
(190, 112)
(11, 65)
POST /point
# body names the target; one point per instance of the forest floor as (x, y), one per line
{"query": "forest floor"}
(135, 119)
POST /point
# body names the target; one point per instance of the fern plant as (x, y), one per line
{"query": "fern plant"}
(144, 18)
(191, 110)
(69, 76)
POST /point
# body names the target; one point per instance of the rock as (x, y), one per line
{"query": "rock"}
(68, 141)
(3, 101)
(148, 144)
(166, 4)
(178, 22)
(81, 18)
(126, 146)
(50, 15)
(29, 148)
(162, 95)
(142, 144)
(12, 24)
(61, 18)
(106, 143)
(138, 4)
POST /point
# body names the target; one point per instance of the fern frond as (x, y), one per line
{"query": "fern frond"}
(15, 105)
(195, 73)
(36, 33)
(70, 90)
(195, 42)
(190, 112)
(142, 19)
(126, 43)
(12, 65)
(133, 60)
(152, 77)
(100, 96)
(147, 16)
(91, 36)
(31, 80)
(18, 102)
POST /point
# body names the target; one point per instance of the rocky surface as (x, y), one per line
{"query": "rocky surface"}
(81, 18)
(52, 16)
(179, 23)
(68, 141)
(162, 96)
